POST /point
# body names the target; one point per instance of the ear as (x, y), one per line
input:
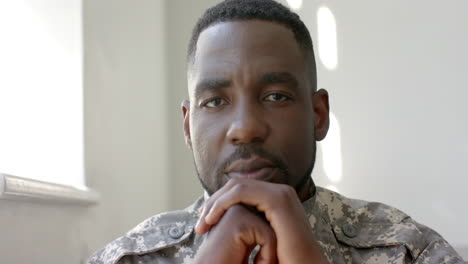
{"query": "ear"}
(186, 115)
(321, 109)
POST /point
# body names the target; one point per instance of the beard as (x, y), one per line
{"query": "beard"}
(211, 185)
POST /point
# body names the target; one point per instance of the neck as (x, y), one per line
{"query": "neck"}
(306, 190)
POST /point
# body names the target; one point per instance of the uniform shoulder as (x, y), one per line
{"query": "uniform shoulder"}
(362, 224)
(157, 232)
(337, 207)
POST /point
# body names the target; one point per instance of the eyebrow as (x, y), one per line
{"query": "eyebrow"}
(278, 78)
(211, 84)
(265, 79)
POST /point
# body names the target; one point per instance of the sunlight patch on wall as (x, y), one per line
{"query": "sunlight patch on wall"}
(331, 152)
(295, 4)
(327, 39)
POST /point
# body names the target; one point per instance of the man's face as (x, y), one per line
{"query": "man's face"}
(252, 111)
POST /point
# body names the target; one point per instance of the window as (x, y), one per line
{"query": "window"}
(41, 94)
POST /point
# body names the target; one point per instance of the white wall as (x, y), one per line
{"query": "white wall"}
(125, 118)
(125, 141)
(399, 96)
(181, 17)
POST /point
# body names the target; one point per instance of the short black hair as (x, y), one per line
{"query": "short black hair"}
(267, 10)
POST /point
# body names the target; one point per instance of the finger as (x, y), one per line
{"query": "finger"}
(268, 250)
(202, 227)
(261, 259)
(253, 193)
(249, 252)
(229, 198)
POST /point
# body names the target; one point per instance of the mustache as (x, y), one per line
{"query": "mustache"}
(248, 151)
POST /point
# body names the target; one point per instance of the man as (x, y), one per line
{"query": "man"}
(252, 123)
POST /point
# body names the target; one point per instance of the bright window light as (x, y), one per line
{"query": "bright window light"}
(331, 151)
(332, 188)
(295, 4)
(41, 95)
(327, 43)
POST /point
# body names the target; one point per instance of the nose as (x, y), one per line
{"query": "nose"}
(248, 126)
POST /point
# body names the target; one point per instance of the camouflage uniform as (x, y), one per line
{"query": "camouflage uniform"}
(348, 231)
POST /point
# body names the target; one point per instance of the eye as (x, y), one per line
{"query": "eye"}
(216, 102)
(276, 97)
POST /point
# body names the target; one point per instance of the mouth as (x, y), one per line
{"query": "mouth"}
(252, 168)
(264, 174)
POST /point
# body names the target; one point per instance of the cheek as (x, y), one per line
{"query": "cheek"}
(294, 136)
(295, 123)
(206, 142)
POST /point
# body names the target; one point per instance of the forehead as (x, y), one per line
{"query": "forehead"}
(250, 45)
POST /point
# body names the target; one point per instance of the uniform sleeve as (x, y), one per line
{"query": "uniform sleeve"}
(439, 252)
(155, 258)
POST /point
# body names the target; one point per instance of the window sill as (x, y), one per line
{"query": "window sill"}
(17, 188)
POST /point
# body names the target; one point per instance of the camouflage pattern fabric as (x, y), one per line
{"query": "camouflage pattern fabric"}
(348, 231)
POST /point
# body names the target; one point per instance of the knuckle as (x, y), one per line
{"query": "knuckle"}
(285, 195)
(236, 209)
(207, 207)
(240, 188)
(246, 227)
(235, 181)
(231, 182)
(215, 205)
(286, 191)
(233, 211)
(270, 234)
(246, 223)
(241, 227)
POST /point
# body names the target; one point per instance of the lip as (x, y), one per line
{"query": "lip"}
(252, 168)
(264, 174)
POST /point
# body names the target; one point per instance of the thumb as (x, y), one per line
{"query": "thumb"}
(267, 254)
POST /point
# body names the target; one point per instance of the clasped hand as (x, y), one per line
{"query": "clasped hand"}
(245, 213)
